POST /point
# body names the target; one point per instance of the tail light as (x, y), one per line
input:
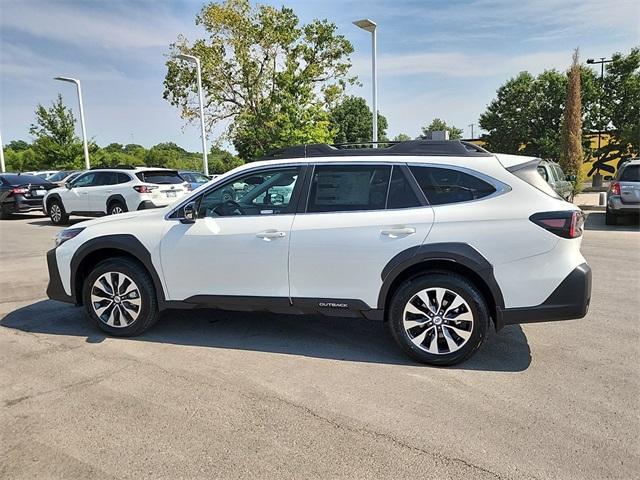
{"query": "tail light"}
(565, 224)
(614, 188)
(144, 188)
(19, 190)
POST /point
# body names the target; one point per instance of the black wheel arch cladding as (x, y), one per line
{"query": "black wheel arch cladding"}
(113, 245)
(461, 254)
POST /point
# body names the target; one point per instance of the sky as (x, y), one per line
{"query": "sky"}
(440, 59)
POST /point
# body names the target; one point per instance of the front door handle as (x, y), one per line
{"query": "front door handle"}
(396, 232)
(269, 235)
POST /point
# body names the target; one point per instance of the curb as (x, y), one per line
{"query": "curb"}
(593, 208)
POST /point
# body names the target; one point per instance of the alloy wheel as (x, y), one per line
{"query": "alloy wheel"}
(438, 320)
(117, 210)
(115, 299)
(56, 213)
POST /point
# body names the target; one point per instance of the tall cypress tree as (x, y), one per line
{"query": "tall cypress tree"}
(571, 156)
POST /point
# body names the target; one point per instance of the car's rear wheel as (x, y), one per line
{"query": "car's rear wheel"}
(439, 318)
(119, 297)
(116, 208)
(5, 214)
(57, 213)
(610, 218)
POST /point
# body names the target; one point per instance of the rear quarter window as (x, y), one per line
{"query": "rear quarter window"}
(445, 185)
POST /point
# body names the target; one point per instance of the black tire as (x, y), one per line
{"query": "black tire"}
(57, 213)
(5, 214)
(116, 207)
(147, 314)
(464, 289)
(610, 218)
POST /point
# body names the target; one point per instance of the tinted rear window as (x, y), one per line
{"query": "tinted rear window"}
(446, 185)
(631, 173)
(23, 179)
(161, 177)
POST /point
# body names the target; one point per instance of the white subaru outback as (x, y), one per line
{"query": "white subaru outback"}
(438, 239)
(109, 191)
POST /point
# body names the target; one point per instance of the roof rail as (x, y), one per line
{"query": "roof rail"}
(118, 167)
(450, 148)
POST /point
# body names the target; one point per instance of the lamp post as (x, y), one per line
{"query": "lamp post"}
(370, 26)
(196, 60)
(84, 131)
(471, 125)
(597, 178)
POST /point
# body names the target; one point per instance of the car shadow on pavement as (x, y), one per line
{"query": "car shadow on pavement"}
(595, 221)
(347, 339)
(48, 223)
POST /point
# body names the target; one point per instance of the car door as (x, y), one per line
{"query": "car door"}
(101, 191)
(357, 218)
(76, 198)
(237, 248)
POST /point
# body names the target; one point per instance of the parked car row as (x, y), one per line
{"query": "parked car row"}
(95, 192)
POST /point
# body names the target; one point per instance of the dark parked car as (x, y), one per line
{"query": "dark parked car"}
(21, 193)
(554, 176)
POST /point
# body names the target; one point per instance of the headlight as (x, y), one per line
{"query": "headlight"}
(67, 234)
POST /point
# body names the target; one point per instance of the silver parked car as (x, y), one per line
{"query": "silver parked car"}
(555, 177)
(623, 196)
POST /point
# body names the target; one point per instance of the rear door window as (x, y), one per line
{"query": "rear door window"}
(446, 185)
(160, 177)
(346, 188)
(401, 194)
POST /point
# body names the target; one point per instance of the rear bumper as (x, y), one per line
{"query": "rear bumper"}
(570, 300)
(55, 289)
(614, 204)
(21, 205)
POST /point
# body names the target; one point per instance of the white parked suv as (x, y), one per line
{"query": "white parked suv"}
(109, 191)
(438, 239)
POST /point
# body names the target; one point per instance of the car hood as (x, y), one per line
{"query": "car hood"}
(123, 217)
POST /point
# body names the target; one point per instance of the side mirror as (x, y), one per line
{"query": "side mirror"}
(68, 185)
(608, 178)
(571, 178)
(189, 215)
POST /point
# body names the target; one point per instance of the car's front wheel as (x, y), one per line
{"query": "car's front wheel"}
(119, 297)
(439, 318)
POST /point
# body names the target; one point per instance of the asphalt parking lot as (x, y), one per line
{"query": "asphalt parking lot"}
(212, 394)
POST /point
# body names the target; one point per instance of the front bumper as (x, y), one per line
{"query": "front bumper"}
(55, 289)
(615, 204)
(570, 300)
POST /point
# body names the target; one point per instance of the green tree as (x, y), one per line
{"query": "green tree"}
(55, 142)
(438, 125)
(18, 145)
(270, 78)
(571, 156)
(351, 121)
(221, 161)
(401, 137)
(525, 117)
(620, 111)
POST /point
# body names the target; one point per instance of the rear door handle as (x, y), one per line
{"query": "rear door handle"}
(398, 232)
(269, 235)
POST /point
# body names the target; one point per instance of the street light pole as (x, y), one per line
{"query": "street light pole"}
(597, 178)
(82, 125)
(471, 125)
(371, 26)
(196, 60)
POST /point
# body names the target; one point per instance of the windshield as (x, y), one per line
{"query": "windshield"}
(58, 176)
